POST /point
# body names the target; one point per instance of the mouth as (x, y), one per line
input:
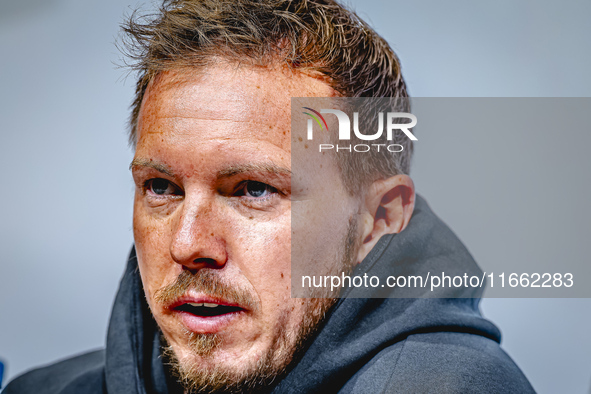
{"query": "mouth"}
(207, 309)
(207, 316)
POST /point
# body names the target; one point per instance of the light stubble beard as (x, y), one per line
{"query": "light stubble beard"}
(286, 348)
(257, 376)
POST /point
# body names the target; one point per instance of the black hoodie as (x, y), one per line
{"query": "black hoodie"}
(365, 345)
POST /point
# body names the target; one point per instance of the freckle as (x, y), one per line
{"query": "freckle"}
(284, 133)
(250, 218)
(282, 274)
(300, 139)
(212, 234)
(306, 146)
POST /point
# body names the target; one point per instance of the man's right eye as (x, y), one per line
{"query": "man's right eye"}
(161, 187)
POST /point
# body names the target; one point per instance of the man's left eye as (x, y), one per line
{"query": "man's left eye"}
(257, 189)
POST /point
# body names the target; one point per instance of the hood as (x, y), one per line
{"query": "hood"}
(133, 362)
(358, 327)
(361, 324)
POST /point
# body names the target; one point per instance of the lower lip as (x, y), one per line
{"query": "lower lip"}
(209, 324)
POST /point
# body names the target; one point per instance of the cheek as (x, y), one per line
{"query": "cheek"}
(152, 243)
(263, 251)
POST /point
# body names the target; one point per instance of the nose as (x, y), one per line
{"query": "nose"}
(197, 240)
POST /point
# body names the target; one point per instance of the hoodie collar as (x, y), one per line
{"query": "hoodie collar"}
(368, 320)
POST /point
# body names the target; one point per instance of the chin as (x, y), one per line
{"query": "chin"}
(206, 366)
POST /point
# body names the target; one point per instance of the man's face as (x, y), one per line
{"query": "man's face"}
(212, 218)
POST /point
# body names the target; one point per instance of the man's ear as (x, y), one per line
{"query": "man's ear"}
(389, 204)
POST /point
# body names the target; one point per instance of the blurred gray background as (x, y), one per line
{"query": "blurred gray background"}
(66, 216)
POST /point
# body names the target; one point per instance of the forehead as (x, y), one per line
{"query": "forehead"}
(256, 101)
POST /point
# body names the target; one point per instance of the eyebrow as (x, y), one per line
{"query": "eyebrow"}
(244, 168)
(225, 173)
(163, 168)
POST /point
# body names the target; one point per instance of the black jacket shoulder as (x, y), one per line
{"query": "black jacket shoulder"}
(80, 374)
(442, 362)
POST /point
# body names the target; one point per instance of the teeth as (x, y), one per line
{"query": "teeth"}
(205, 304)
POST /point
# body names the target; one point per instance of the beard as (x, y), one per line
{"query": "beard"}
(255, 377)
(287, 346)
